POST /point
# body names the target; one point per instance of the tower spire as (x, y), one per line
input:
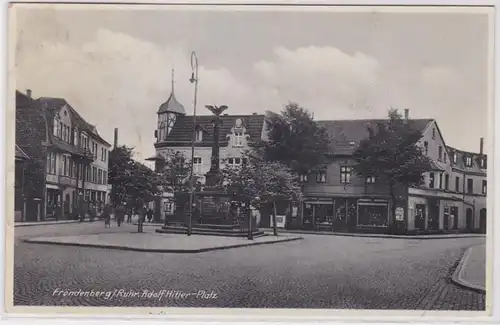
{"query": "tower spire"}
(173, 78)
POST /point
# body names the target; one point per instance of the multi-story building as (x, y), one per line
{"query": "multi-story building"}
(69, 162)
(452, 198)
(175, 134)
(19, 198)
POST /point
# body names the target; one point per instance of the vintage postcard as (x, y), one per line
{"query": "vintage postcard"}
(259, 158)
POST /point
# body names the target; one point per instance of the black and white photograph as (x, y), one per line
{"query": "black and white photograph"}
(252, 157)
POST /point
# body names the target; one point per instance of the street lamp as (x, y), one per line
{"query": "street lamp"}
(194, 79)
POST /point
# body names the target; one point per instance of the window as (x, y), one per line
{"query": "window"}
(483, 162)
(103, 154)
(446, 181)
(197, 165)
(60, 130)
(65, 166)
(431, 180)
(99, 176)
(426, 147)
(94, 174)
(468, 161)
(87, 174)
(84, 141)
(51, 163)
(70, 167)
(238, 138)
(199, 135)
(370, 180)
(440, 153)
(484, 187)
(321, 177)
(75, 168)
(56, 127)
(454, 157)
(234, 162)
(105, 181)
(470, 186)
(303, 178)
(75, 137)
(440, 180)
(433, 134)
(345, 174)
(444, 157)
(457, 184)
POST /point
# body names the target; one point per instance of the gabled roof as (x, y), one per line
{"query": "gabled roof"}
(182, 131)
(346, 135)
(20, 154)
(54, 104)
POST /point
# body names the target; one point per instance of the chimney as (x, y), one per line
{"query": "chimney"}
(481, 146)
(407, 113)
(28, 93)
(116, 138)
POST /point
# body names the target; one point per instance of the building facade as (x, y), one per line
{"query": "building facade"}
(19, 197)
(452, 197)
(69, 165)
(175, 134)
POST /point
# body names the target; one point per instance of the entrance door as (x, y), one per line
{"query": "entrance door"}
(469, 220)
(420, 216)
(433, 223)
(66, 207)
(446, 218)
(482, 220)
(454, 217)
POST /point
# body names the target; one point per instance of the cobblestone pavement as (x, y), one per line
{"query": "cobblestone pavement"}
(317, 272)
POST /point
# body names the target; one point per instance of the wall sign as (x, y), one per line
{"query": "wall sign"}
(399, 214)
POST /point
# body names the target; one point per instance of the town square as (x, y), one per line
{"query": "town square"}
(186, 178)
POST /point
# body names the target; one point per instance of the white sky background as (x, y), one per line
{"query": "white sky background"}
(114, 66)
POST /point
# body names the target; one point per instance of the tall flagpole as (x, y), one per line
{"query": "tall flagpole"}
(194, 79)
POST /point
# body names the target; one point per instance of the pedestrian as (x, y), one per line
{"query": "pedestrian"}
(106, 215)
(129, 215)
(150, 215)
(119, 213)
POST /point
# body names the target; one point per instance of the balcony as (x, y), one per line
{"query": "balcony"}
(67, 181)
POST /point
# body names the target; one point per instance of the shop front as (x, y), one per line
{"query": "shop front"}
(373, 215)
(54, 203)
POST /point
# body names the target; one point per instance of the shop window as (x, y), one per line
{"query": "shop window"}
(374, 215)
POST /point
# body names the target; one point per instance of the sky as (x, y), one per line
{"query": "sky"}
(114, 65)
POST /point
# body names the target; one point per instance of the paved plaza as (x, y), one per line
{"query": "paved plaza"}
(315, 272)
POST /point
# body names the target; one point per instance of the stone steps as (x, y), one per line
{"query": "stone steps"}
(213, 230)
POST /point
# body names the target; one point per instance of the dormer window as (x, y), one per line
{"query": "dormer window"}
(238, 138)
(199, 135)
(303, 178)
(468, 161)
(482, 162)
(370, 180)
(433, 134)
(454, 157)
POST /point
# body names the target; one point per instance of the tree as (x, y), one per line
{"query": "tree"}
(391, 153)
(259, 181)
(175, 172)
(131, 180)
(296, 140)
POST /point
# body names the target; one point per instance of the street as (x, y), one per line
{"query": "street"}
(316, 272)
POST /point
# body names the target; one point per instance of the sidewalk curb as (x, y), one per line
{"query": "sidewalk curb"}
(177, 251)
(45, 223)
(381, 236)
(457, 278)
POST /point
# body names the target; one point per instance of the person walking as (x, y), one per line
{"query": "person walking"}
(150, 215)
(120, 214)
(106, 215)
